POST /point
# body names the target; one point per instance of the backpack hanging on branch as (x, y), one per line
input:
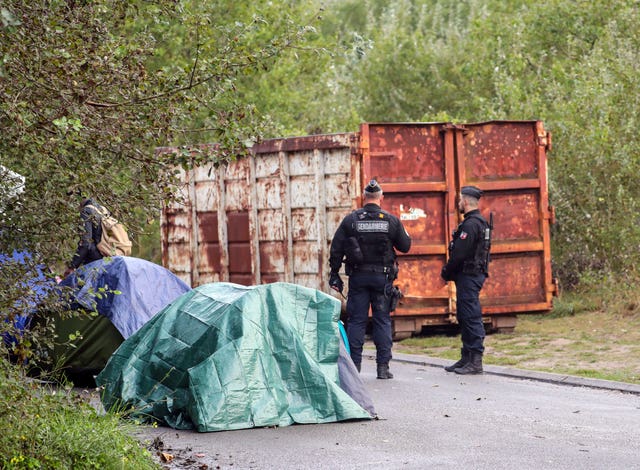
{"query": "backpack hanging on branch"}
(115, 239)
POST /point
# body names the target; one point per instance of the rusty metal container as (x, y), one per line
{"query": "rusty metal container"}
(271, 217)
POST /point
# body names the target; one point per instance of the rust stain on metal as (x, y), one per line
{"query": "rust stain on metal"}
(277, 211)
(501, 151)
(406, 153)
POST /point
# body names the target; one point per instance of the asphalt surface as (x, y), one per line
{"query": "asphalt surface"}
(559, 379)
(503, 419)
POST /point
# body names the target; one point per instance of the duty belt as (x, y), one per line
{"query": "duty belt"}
(372, 268)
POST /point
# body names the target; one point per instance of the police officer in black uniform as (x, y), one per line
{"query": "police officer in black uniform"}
(368, 238)
(468, 268)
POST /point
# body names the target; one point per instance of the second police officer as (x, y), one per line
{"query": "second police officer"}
(366, 240)
(468, 268)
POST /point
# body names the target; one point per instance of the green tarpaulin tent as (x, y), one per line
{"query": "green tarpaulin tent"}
(122, 293)
(225, 356)
(98, 340)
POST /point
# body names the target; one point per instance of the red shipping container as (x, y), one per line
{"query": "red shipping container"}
(270, 217)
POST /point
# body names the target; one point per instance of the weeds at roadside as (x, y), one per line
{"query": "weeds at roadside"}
(578, 337)
(53, 427)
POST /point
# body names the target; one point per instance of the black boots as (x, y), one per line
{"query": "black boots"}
(474, 366)
(464, 358)
(383, 371)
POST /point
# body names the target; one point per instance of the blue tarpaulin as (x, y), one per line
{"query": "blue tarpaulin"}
(35, 285)
(126, 290)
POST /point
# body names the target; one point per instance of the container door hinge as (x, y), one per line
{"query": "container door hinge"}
(544, 140)
(551, 215)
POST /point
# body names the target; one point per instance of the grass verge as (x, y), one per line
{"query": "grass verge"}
(584, 335)
(49, 428)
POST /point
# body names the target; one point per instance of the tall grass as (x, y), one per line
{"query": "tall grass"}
(47, 427)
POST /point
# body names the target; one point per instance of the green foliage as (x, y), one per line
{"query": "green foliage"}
(570, 64)
(27, 284)
(85, 100)
(88, 91)
(53, 428)
(595, 176)
(147, 245)
(301, 80)
(566, 307)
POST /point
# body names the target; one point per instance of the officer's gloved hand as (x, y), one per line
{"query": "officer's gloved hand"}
(444, 274)
(335, 282)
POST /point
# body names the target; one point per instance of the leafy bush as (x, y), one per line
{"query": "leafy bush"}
(88, 90)
(48, 427)
(560, 61)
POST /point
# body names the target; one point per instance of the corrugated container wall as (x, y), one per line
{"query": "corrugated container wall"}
(270, 217)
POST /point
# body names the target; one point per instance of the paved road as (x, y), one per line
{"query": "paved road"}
(503, 419)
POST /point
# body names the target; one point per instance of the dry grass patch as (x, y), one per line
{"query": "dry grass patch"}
(590, 344)
(594, 344)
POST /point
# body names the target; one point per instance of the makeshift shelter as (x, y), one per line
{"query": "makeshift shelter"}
(225, 356)
(124, 293)
(30, 276)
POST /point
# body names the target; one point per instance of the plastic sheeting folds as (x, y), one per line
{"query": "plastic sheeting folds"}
(225, 356)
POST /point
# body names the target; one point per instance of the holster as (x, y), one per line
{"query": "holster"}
(396, 295)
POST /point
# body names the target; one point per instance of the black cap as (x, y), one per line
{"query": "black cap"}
(373, 187)
(471, 191)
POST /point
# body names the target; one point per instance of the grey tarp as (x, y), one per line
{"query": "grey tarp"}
(225, 356)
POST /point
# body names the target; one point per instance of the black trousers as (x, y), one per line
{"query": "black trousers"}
(367, 289)
(469, 312)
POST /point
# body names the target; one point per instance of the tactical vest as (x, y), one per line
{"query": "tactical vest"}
(480, 262)
(372, 230)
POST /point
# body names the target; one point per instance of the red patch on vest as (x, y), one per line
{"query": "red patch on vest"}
(463, 235)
